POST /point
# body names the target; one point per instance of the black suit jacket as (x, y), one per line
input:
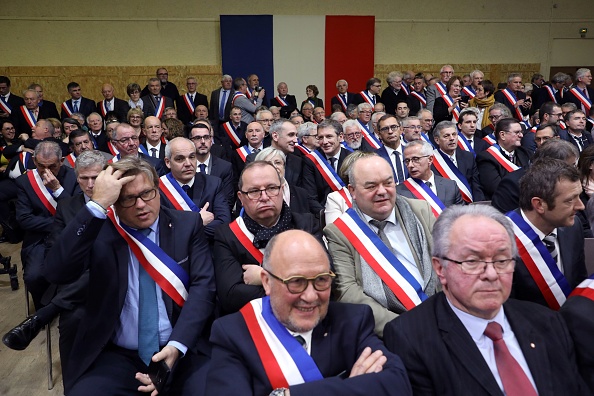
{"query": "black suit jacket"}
(314, 182)
(570, 97)
(21, 125)
(350, 97)
(447, 191)
(120, 108)
(442, 359)
(293, 167)
(286, 110)
(467, 166)
(336, 344)
(565, 135)
(91, 243)
(14, 102)
(207, 188)
(440, 111)
(184, 113)
(169, 90)
(414, 104)
(571, 250)
(53, 111)
(158, 164)
(500, 97)
(507, 194)
(224, 170)
(149, 104)
(491, 172)
(358, 99)
(86, 107)
(213, 110)
(160, 154)
(390, 99)
(229, 255)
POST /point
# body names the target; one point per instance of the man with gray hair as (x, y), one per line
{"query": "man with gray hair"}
(154, 102)
(581, 94)
(472, 339)
(186, 104)
(381, 246)
(364, 112)
(307, 134)
(497, 112)
(550, 92)
(476, 79)
(423, 184)
(287, 103)
(126, 141)
(221, 101)
(438, 89)
(394, 92)
(513, 97)
(343, 98)
(247, 105)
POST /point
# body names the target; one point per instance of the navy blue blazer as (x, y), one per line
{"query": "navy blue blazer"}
(350, 97)
(467, 166)
(382, 152)
(183, 113)
(315, 184)
(86, 107)
(149, 104)
(224, 170)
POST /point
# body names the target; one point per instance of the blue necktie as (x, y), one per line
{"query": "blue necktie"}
(202, 168)
(148, 313)
(75, 106)
(222, 106)
(399, 172)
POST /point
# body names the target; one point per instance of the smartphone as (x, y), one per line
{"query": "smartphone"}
(159, 373)
(464, 99)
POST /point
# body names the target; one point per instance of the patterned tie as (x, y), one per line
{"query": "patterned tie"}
(202, 168)
(399, 172)
(75, 106)
(148, 313)
(390, 297)
(332, 162)
(512, 158)
(549, 242)
(107, 106)
(222, 106)
(343, 97)
(514, 379)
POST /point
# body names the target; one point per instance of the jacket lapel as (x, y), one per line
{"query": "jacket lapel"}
(198, 189)
(321, 347)
(167, 244)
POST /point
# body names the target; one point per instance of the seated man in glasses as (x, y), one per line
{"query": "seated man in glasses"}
(294, 341)
(238, 246)
(472, 339)
(127, 144)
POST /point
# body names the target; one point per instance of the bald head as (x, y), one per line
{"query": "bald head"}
(107, 91)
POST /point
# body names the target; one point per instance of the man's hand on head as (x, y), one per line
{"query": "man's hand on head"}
(108, 185)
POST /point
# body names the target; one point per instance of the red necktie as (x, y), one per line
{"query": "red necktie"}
(515, 382)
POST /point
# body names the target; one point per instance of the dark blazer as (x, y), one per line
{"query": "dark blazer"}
(14, 102)
(391, 99)
(570, 97)
(158, 164)
(207, 188)
(350, 96)
(101, 141)
(507, 194)
(564, 134)
(440, 111)
(293, 167)
(93, 243)
(300, 200)
(120, 108)
(382, 152)
(213, 111)
(357, 99)
(224, 170)
(578, 312)
(290, 99)
(221, 136)
(541, 96)
(184, 114)
(500, 97)
(447, 191)
(442, 359)
(571, 250)
(491, 172)
(336, 344)
(414, 104)
(467, 166)
(314, 182)
(53, 111)
(21, 125)
(149, 104)
(86, 107)
(160, 154)
(317, 103)
(169, 90)
(229, 255)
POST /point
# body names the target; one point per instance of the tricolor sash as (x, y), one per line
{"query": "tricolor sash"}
(426, 138)
(67, 109)
(102, 108)
(464, 143)
(381, 259)
(285, 361)
(143, 150)
(368, 136)
(490, 138)
(246, 239)
(450, 102)
(405, 88)
(538, 261)
(231, 132)
(367, 98)
(244, 151)
(446, 168)
(551, 93)
(160, 107)
(237, 94)
(112, 149)
(420, 190)
(312, 102)
(42, 192)
(5, 106)
(511, 98)
(420, 97)
(330, 175)
(189, 104)
(494, 150)
(562, 125)
(166, 273)
(441, 88)
(346, 147)
(29, 116)
(71, 158)
(281, 101)
(302, 148)
(585, 289)
(247, 94)
(342, 102)
(586, 102)
(469, 91)
(176, 195)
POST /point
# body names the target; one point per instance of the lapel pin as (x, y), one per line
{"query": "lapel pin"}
(532, 345)
(325, 334)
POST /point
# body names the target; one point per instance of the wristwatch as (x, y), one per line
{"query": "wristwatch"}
(278, 392)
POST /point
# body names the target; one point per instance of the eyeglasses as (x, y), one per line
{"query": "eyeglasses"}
(352, 135)
(9, 129)
(125, 140)
(414, 160)
(298, 284)
(206, 138)
(393, 128)
(413, 127)
(268, 121)
(517, 133)
(477, 267)
(431, 121)
(494, 117)
(128, 202)
(255, 194)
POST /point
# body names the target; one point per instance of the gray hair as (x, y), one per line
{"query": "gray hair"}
(443, 68)
(270, 152)
(505, 113)
(114, 132)
(426, 148)
(261, 112)
(305, 128)
(364, 105)
(377, 115)
(351, 171)
(476, 72)
(445, 222)
(559, 78)
(47, 149)
(350, 124)
(404, 122)
(329, 123)
(94, 114)
(511, 76)
(278, 126)
(581, 73)
(168, 145)
(392, 76)
(88, 159)
(441, 126)
(337, 82)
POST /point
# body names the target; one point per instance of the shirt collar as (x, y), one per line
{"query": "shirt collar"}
(190, 183)
(476, 326)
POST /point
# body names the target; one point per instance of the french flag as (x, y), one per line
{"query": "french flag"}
(299, 50)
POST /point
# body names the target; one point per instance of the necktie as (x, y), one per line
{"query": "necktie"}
(192, 96)
(202, 168)
(549, 242)
(187, 190)
(512, 158)
(256, 150)
(148, 314)
(515, 382)
(390, 297)
(157, 99)
(4, 98)
(585, 92)
(107, 106)
(399, 171)
(332, 162)
(75, 106)
(429, 184)
(343, 97)
(580, 142)
(222, 106)
(154, 152)
(301, 341)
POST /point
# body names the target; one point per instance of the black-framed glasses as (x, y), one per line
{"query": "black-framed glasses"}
(477, 267)
(393, 128)
(206, 138)
(128, 202)
(255, 194)
(298, 284)
(414, 160)
(126, 140)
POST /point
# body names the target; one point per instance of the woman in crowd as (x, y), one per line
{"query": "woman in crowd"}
(172, 128)
(7, 138)
(483, 101)
(69, 125)
(443, 110)
(134, 94)
(135, 118)
(312, 93)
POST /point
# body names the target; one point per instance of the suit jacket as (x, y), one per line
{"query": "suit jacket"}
(169, 90)
(213, 111)
(447, 191)
(491, 172)
(184, 114)
(390, 99)
(21, 125)
(14, 102)
(432, 94)
(442, 358)
(160, 154)
(92, 243)
(317, 102)
(358, 99)
(501, 98)
(207, 188)
(382, 152)
(578, 312)
(350, 96)
(224, 170)
(571, 251)
(32, 215)
(347, 262)
(507, 194)
(53, 111)
(291, 103)
(440, 111)
(565, 135)
(336, 343)
(570, 97)
(149, 104)
(86, 107)
(541, 96)
(467, 166)
(314, 182)
(230, 255)
(158, 164)
(120, 108)
(414, 104)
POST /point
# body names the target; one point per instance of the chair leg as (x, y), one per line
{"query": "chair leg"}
(50, 377)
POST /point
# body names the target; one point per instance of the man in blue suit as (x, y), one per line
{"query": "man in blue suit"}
(390, 132)
(339, 353)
